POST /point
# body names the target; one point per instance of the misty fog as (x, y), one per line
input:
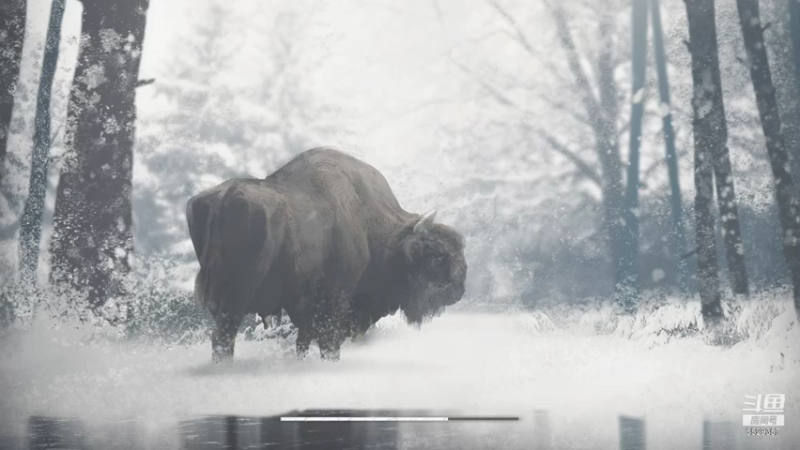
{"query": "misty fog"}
(471, 108)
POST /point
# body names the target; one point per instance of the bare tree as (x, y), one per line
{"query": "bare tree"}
(92, 222)
(12, 35)
(794, 27)
(788, 206)
(723, 173)
(627, 293)
(260, 124)
(31, 223)
(679, 236)
(600, 99)
(728, 210)
(783, 41)
(708, 115)
(602, 112)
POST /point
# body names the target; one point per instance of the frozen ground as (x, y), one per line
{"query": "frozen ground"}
(583, 365)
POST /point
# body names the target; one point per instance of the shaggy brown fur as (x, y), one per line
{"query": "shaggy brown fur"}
(325, 239)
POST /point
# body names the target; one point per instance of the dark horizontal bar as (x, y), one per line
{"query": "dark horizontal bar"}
(482, 419)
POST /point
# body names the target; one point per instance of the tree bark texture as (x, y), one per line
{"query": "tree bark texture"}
(794, 27)
(92, 240)
(788, 207)
(12, 36)
(781, 40)
(30, 235)
(707, 115)
(703, 45)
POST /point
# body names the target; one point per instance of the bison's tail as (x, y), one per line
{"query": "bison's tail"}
(200, 295)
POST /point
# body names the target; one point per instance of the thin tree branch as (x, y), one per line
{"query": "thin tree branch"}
(573, 58)
(145, 82)
(439, 16)
(518, 34)
(655, 165)
(564, 107)
(499, 96)
(562, 149)
(689, 255)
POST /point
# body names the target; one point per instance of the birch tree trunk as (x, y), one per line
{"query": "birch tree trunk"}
(604, 116)
(30, 234)
(788, 206)
(628, 291)
(92, 240)
(679, 237)
(707, 116)
(12, 35)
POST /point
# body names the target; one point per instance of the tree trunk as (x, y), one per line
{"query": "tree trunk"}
(679, 237)
(603, 115)
(789, 208)
(12, 35)
(728, 211)
(784, 67)
(794, 27)
(628, 290)
(718, 141)
(31, 223)
(92, 240)
(604, 126)
(708, 114)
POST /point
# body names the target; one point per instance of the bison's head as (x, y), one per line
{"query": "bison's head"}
(433, 267)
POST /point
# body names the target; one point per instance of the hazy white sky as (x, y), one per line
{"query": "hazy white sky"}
(387, 66)
(382, 63)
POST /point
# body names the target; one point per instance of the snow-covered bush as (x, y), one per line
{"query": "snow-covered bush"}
(255, 330)
(156, 308)
(660, 319)
(159, 308)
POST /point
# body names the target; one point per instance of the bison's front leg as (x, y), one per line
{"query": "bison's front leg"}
(224, 337)
(336, 327)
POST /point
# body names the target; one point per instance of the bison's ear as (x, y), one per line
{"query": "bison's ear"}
(412, 232)
(425, 222)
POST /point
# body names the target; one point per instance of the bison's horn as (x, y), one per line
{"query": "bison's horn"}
(425, 221)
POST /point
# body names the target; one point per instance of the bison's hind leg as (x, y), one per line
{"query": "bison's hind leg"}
(303, 342)
(221, 347)
(335, 326)
(329, 350)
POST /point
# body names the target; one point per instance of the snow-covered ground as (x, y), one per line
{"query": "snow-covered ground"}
(583, 365)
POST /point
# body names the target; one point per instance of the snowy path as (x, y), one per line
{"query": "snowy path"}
(467, 363)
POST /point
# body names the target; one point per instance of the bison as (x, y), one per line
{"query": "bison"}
(324, 239)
